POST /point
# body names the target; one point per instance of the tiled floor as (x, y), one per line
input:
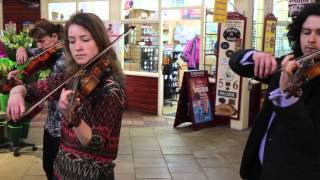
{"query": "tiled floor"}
(150, 149)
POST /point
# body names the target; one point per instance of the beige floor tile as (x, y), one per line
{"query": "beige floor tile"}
(233, 156)
(221, 174)
(183, 168)
(125, 141)
(15, 167)
(36, 177)
(36, 168)
(214, 163)
(147, 155)
(202, 152)
(124, 158)
(180, 159)
(170, 140)
(138, 147)
(144, 140)
(175, 150)
(124, 167)
(195, 140)
(141, 132)
(189, 176)
(165, 130)
(125, 149)
(152, 173)
(124, 176)
(149, 163)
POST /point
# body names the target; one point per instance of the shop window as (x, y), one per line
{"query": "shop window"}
(140, 9)
(257, 25)
(100, 8)
(57, 11)
(280, 10)
(141, 48)
(210, 4)
(62, 10)
(211, 42)
(282, 43)
(180, 3)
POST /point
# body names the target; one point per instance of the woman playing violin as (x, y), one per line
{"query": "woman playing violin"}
(285, 139)
(90, 130)
(45, 34)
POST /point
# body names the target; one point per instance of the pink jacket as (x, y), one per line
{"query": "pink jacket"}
(193, 53)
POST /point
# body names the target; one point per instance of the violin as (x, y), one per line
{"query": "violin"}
(41, 60)
(309, 68)
(33, 64)
(88, 76)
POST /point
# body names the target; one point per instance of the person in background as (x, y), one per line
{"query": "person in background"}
(191, 53)
(90, 132)
(45, 34)
(284, 143)
(2, 50)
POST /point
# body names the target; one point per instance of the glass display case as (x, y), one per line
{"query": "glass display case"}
(141, 48)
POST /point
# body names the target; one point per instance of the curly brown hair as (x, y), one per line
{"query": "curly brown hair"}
(295, 28)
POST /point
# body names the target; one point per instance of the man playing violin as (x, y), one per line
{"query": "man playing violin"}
(46, 35)
(284, 143)
(90, 129)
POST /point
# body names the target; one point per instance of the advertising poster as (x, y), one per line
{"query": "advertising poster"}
(296, 5)
(228, 84)
(194, 101)
(198, 86)
(269, 36)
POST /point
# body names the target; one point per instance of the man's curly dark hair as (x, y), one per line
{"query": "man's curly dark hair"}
(295, 28)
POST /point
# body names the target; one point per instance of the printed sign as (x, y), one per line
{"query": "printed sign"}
(220, 11)
(295, 6)
(228, 86)
(194, 101)
(269, 36)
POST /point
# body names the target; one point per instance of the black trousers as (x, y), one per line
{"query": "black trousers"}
(50, 150)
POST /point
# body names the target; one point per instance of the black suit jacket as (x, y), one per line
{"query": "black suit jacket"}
(292, 150)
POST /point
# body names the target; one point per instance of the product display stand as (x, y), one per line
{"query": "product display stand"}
(11, 135)
(170, 73)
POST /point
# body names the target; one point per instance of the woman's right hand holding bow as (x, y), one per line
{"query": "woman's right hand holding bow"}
(16, 103)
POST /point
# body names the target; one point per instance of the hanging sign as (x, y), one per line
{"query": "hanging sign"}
(228, 86)
(295, 6)
(269, 35)
(220, 11)
(194, 101)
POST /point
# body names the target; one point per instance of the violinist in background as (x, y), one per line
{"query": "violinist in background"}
(284, 143)
(90, 129)
(45, 34)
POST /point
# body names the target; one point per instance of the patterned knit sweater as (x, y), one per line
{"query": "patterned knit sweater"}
(101, 110)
